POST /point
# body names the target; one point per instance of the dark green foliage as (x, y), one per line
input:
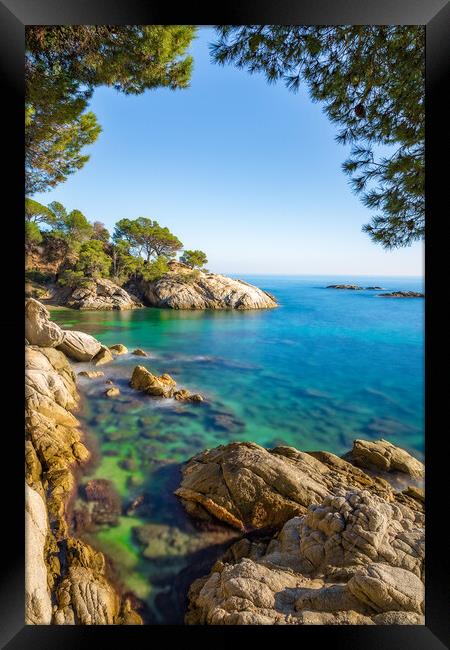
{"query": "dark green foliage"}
(147, 237)
(371, 81)
(194, 259)
(32, 234)
(63, 65)
(93, 260)
(74, 279)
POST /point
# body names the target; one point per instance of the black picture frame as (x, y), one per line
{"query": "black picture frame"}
(14, 16)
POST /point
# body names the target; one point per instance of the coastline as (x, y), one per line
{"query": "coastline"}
(93, 560)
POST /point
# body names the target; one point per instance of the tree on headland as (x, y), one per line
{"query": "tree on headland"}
(147, 238)
(371, 81)
(100, 231)
(194, 259)
(63, 65)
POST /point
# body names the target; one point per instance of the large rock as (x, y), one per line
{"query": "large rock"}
(143, 380)
(383, 455)
(38, 607)
(402, 294)
(182, 288)
(79, 346)
(352, 559)
(98, 294)
(250, 487)
(39, 330)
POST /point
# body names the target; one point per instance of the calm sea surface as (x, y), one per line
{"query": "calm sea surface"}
(325, 367)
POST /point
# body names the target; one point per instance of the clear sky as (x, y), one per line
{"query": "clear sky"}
(246, 171)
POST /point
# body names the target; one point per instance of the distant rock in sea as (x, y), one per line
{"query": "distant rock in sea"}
(375, 289)
(353, 287)
(184, 288)
(402, 294)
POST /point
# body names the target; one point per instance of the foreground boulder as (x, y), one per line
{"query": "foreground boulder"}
(352, 559)
(249, 487)
(183, 288)
(97, 294)
(39, 330)
(79, 346)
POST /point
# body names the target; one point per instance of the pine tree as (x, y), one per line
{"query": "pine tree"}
(370, 79)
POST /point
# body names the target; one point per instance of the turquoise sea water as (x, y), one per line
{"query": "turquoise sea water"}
(325, 367)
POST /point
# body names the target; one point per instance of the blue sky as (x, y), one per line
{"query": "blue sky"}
(246, 171)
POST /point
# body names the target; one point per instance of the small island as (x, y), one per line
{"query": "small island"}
(402, 294)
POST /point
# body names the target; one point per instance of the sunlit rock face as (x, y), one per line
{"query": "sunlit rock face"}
(183, 288)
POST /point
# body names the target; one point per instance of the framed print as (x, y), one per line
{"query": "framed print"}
(227, 372)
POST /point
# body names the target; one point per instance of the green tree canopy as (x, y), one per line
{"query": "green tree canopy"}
(93, 260)
(371, 81)
(194, 259)
(37, 213)
(63, 65)
(146, 237)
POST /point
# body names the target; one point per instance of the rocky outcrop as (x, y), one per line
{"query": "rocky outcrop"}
(118, 349)
(402, 294)
(65, 578)
(349, 550)
(79, 346)
(39, 330)
(250, 487)
(383, 456)
(162, 386)
(97, 294)
(38, 607)
(183, 288)
(352, 287)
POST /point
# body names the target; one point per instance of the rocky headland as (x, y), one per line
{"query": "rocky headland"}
(323, 541)
(183, 288)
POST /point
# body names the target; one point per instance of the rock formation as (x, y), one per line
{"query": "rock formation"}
(402, 294)
(96, 294)
(65, 578)
(349, 548)
(162, 386)
(183, 288)
(353, 287)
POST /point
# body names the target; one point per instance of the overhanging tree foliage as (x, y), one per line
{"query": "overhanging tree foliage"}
(371, 81)
(63, 65)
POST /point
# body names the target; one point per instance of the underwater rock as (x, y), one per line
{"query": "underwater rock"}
(106, 503)
(112, 392)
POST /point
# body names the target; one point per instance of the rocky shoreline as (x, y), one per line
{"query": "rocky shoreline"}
(321, 539)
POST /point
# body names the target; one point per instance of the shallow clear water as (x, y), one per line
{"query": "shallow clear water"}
(325, 367)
